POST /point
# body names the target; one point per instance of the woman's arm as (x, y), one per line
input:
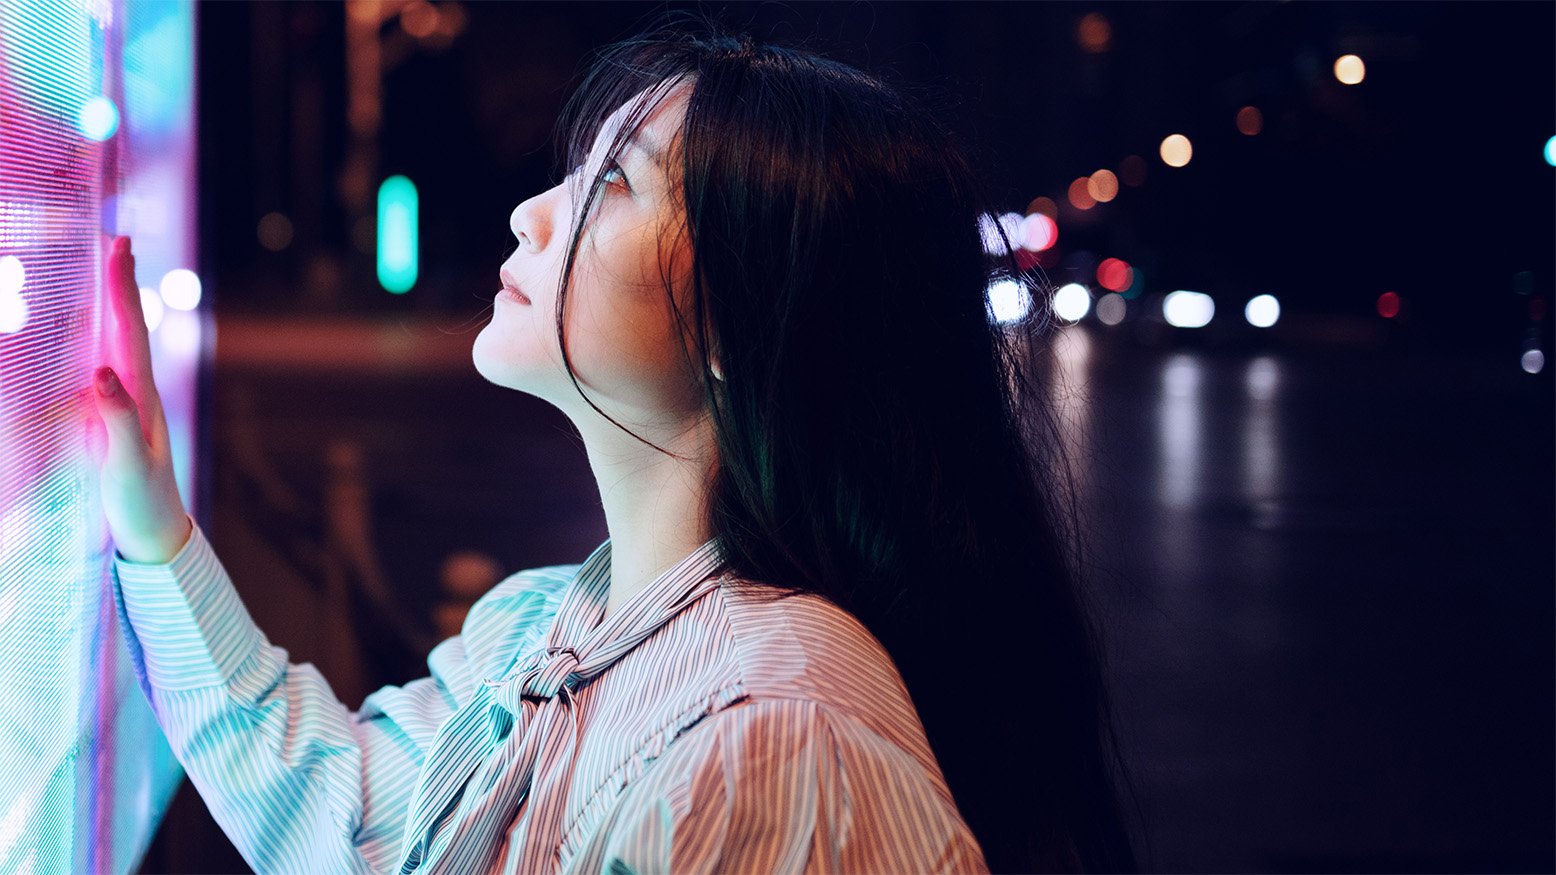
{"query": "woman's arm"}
(296, 780)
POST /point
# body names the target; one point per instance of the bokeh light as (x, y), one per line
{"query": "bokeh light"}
(1080, 194)
(1250, 120)
(1102, 186)
(419, 18)
(1176, 150)
(152, 308)
(275, 232)
(990, 228)
(1111, 308)
(1136, 283)
(1094, 33)
(98, 119)
(1008, 300)
(1044, 205)
(181, 289)
(1349, 69)
(1114, 274)
(13, 313)
(451, 19)
(1185, 309)
(13, 275)
(1388, 305)
(1071, 302)
(1038, 232)
(1550, 151)
(1533, 361)
(1262, 311)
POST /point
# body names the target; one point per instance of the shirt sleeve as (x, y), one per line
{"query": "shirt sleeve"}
(298, 782)
(786, 786)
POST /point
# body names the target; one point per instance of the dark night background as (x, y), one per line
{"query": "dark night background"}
(1324, 550)
(1426, 179)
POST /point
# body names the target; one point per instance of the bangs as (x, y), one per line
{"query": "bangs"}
(618, 73)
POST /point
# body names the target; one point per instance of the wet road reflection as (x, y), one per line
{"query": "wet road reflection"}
(1328, 576)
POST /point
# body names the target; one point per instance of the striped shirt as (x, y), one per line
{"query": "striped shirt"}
(700, 728)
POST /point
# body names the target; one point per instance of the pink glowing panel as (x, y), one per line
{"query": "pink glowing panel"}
(96, 139)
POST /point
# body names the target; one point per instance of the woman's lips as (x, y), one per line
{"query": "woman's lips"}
(508, 293)
(511, 288)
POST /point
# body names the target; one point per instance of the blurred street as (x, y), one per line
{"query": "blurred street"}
(1326, 569)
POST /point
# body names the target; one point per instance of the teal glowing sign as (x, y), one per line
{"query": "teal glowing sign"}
(397, 232)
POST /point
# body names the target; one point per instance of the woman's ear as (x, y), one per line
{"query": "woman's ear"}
(718, 371)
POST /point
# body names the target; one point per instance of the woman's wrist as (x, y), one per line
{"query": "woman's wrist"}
(162, 548)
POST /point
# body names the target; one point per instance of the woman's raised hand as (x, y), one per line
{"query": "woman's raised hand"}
(135, 469)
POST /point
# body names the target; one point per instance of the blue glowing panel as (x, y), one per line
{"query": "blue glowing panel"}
(96, 138)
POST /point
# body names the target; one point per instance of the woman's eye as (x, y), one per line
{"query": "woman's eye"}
(613, 167)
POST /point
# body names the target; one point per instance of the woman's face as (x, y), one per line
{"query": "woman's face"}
(621, 334)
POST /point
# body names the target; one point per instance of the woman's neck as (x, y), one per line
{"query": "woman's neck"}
(654, 503)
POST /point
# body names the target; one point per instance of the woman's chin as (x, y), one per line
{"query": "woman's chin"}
(488, 363)
(493, 357)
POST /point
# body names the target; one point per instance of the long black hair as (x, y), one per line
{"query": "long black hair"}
(881, 441)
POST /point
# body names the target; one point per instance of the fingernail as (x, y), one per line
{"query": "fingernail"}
(107, 381)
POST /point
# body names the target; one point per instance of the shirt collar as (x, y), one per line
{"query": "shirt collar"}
(583, 605)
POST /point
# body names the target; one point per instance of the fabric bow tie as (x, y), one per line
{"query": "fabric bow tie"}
(558, 666)
(484, 758)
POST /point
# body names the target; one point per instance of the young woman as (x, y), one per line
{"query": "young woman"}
(835, 625)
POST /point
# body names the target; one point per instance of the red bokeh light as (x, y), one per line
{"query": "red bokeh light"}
(1388, 305)
(1115, 274)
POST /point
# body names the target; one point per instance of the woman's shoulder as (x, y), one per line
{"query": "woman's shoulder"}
(785, 784)
(805, 647)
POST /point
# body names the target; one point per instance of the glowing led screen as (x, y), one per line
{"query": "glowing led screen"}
(96, 138)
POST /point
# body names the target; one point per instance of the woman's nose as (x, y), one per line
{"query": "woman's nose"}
(531, 220)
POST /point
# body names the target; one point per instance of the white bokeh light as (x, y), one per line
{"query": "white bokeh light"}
(1072, 302)
(1009, 301)
(1262, 311)
(1010, 222)
(13, 275)
(13, 313)
(1038, 232)
(1184, 309)
(181, 289)
(1533, 361)
(99, 118)
(151, 306)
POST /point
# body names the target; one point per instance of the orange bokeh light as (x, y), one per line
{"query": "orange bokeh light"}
(1102, 186)
(1080, 196)
(1044, 205)
(419, 19)
(1250, 120)
(1094, 33)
